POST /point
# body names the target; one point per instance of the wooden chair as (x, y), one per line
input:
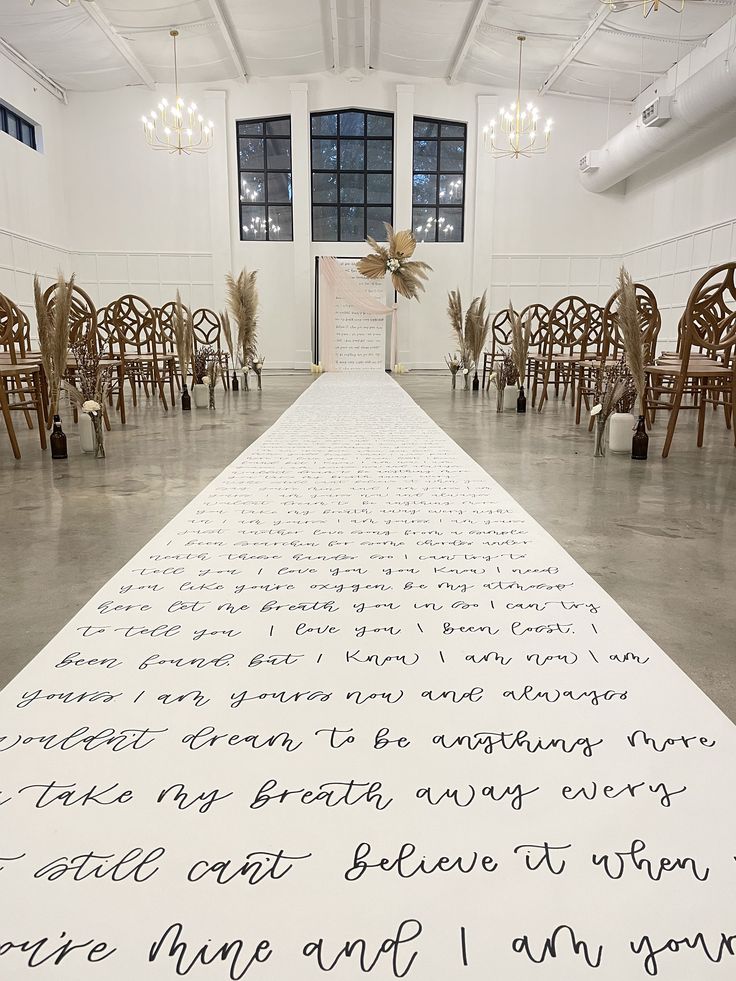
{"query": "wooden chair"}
(571, 320)
(537, 314)
(108, 342)
(20, 378)
(167, 345)
(207, 330)
(500, 335)
(135, 322)
(706, 366)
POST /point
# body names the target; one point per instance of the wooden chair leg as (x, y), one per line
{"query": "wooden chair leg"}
(159, 383)
(545, 383)
(7, 416)
(674, 412)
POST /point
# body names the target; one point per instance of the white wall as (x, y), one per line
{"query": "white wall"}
(33, 209)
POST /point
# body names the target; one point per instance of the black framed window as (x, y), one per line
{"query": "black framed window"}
(438, 182)
(352, 174)
(17, 126)
(264, 179)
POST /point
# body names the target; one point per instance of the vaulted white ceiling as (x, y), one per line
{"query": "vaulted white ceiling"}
(112, 43)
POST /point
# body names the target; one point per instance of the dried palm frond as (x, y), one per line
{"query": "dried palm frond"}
(455, 313)
(631, 333)
(476, 327)
(520, 338)
(242, 297)
(53, 334)
(227, 331)
(183, 336)
(406, 276)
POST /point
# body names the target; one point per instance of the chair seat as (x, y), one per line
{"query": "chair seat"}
(694, 370)
(22, 368)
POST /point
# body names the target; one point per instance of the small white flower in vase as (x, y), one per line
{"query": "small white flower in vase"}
(393, 265)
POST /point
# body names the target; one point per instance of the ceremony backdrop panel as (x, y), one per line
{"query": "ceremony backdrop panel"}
(354, 707)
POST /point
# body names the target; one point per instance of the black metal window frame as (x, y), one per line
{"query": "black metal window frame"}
(438, 173)
(366, 171)
(17, 126)
(264, 172)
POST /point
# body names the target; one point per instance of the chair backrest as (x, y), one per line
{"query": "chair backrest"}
(206, 329)
(500, 332)
(15, 330)
(570, 320)
(82, 312)
(135, 322)
(710, 314)
(538, 316)
(650, 322)
(165, 317)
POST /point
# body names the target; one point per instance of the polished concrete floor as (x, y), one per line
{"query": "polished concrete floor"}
(659, 536)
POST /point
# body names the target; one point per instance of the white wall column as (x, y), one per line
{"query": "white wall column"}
(483, 199)
(403, 170)
(301, 197)
(219, 185)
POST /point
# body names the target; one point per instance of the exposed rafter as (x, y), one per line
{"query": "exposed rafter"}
(228, 36)
(30, 69)
(367, 21)
(94, 13)
(468, 37)
(575, 48)
(335, 36)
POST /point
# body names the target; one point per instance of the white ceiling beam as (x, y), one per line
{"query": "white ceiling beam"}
(468, 39)
(367, 23)
(95, 14)
(30, 69)
(228, 36)
(335, 36)
(575, 49)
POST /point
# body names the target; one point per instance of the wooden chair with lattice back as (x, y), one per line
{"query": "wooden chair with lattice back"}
(706, 367)
(135, 323)
(169, 361)
(571, 320)
(207, 331)
(20, 376)
(82, 325)
(537, 315)
(500, 338)
(110, 348)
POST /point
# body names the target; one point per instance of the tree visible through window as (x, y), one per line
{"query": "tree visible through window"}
(264, 175)
(352, 174)
(438, 183)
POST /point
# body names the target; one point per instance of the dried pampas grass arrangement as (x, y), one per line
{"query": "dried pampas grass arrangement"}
(520, 338)
(183, 337)
(632, 334)
(407, 275)
(227, 332)
(53, 334)
(477, 325)
(455, 313)
(242, 298)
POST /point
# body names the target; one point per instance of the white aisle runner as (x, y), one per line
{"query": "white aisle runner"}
(352, 714)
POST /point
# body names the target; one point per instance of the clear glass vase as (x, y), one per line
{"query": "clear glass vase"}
(600, 436)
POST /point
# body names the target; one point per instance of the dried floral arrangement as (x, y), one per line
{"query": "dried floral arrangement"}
(212, 374)
(470, 332)
(504, 373)
(183, 336)
(242, 298)
(53, 334)
(615, 391)
(453, 363)
(520, 338)
(631, 332)
(407, 274)
(90, 385)
(226, 329)
(201, 362)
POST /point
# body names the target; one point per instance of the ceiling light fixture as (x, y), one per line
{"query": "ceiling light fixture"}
(64, 3)
(178, 128)
(647, 6)
(519, 127)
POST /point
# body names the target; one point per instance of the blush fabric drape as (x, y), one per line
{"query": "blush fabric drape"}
(336, 282)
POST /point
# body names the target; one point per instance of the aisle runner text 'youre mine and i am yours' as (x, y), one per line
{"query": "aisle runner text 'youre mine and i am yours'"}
(353, 713)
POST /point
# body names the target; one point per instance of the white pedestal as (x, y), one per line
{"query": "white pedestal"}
(620, 426)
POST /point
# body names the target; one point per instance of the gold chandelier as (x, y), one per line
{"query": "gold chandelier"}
(647, 6)
(517, 131)
(178, 128)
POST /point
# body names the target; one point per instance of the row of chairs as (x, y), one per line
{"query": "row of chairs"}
(136, 342)
(574, 339)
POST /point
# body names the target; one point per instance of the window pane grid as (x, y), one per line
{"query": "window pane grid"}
(264, 179)
(438, 182)
(352, 174)
(17, 126)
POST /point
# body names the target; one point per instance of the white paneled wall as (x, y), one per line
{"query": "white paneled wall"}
(545, 279)
(20, 258)
(672, 266)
